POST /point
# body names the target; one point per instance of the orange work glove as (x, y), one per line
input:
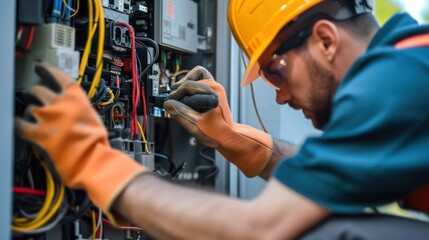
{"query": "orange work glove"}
(72, 135)
(248, 148)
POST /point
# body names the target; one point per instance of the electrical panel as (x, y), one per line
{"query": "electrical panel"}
(176, 24)
(126, 55)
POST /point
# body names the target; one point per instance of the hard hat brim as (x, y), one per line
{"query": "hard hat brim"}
(253, 68)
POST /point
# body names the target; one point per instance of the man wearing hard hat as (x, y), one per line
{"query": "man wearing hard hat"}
(365, 86)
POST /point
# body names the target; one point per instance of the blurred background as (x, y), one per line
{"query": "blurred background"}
(419, 9)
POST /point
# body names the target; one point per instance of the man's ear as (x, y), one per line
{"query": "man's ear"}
(326, 38)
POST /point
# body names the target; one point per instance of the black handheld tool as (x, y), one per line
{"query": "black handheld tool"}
(201, 102)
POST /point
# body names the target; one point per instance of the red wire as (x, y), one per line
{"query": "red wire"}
(136, 92)
(29, 191)
(30, 38)
(121, 227)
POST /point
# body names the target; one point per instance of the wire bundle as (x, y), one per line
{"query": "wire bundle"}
(95, 11)
(135, 87)
(142, 73)
(42, 218)
(27, 46)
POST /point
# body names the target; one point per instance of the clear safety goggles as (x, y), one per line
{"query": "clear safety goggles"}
(275, 70)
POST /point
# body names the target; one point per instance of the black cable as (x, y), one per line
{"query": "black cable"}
(62, 212)
(155, 45)
(212, 170)
(213, 173)
(101, 93)
(83, 208)
(205, 156)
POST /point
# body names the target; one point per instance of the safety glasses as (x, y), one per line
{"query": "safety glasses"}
(274, 70)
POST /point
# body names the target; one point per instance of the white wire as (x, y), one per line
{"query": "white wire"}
(254, 98)
(100, 224)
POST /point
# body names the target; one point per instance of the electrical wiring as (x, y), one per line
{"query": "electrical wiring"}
(26, 214)
(256, 108)
(101, 93)
(99, 228)
(60, 216)
(48, 199)
(68, 6)
(211, 170)
(83, 207)
(49, 215)
(24, 190)
(135, 87)
(45, 214)
(29, 41)
(19, 34)
(254, 99)
(56, 9)
(122, 227)
(143, 96)
(87, 49)
(94, 226)
(176, 74)
(155, 45)
(144, 138)
(68, 10)
(177, 65)
(30, 179)
(77, 8)
(112, 98)
(30, 38)
(62, 213)
(100, 48)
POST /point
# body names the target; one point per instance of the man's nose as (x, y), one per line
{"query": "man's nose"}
(283, 96)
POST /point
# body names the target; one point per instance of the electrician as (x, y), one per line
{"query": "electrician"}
(365, 86)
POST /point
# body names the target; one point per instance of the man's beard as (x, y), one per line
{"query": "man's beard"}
(321, 92)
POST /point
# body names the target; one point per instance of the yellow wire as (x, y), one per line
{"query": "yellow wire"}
(143, 137)
(67, 6)
(55, 208)
(48, 200)
(112, 97)
(94, 226)
(77, 9)
(87, 50)
(44, 214)
(99, 61)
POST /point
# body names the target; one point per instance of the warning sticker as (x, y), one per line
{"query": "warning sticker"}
(170, 9)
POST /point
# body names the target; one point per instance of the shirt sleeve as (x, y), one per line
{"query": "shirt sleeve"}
(375, 148)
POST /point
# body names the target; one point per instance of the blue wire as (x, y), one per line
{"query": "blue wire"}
(60, 7)
(56, 10)
(68, 11)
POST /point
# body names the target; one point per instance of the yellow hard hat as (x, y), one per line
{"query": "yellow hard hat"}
(255, 24)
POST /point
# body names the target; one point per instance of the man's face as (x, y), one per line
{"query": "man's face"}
(306, 85)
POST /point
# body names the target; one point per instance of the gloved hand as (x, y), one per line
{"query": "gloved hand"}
(248, 148)
(73, 137)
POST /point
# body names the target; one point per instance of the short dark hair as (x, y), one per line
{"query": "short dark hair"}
(360, 26)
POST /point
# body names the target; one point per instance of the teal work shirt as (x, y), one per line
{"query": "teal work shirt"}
(375, 147)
